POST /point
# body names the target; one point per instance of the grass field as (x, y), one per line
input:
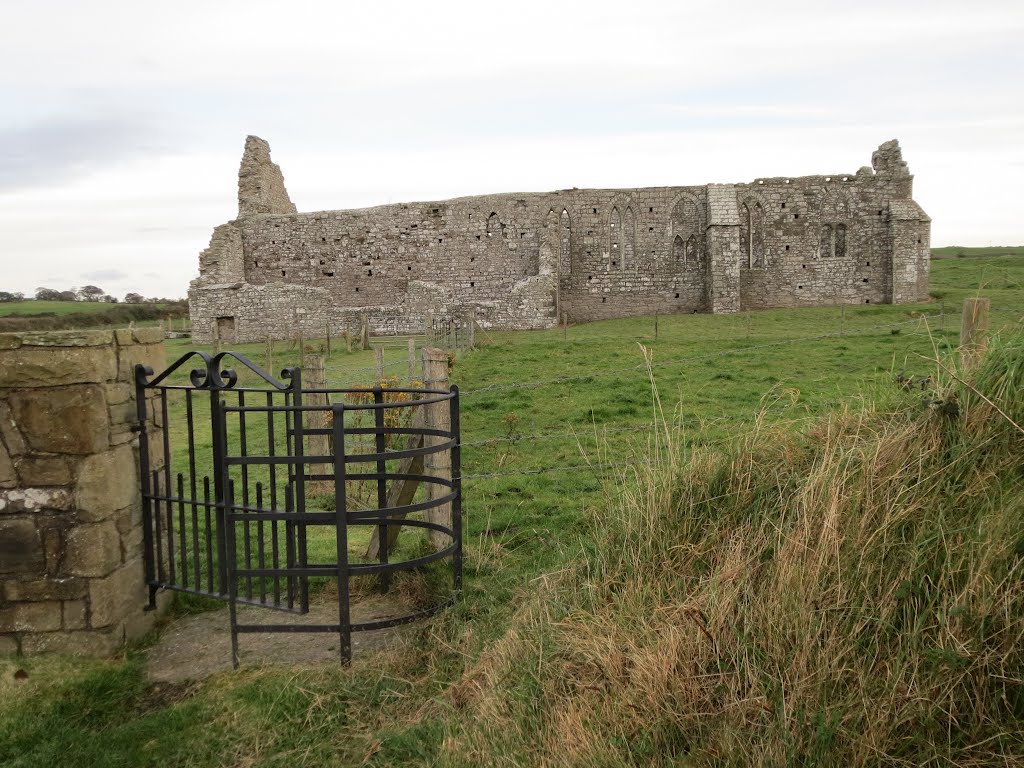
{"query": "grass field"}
(52, 307)
(551, 422)
(963, 251)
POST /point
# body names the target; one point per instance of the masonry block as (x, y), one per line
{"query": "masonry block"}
(62, 420)
(92, 550)
(107, 482)
(21, 547)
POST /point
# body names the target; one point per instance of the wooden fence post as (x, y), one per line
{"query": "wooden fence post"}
(327, 336)
(314, 377)
(364, 334)
(380, 364)
(471, 325)
(438, 416)
(270, 356)
(412, 360)
(216, 337)
(973, 331)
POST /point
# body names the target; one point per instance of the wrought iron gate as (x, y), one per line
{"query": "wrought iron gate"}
(247, 467)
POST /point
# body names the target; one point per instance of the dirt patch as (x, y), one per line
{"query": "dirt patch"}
(197, 646)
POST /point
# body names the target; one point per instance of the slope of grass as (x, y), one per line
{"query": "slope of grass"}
(849, 595)
(558, 541)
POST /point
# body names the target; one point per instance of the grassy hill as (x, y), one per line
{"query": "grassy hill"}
(776, 557)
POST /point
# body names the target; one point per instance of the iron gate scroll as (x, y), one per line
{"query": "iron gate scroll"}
(246, 473)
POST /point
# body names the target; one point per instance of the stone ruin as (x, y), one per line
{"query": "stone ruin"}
(531, 260)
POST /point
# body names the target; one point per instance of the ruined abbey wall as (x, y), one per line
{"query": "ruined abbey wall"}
(525, 260)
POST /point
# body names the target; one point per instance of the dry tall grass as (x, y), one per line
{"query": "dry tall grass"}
(851, 595)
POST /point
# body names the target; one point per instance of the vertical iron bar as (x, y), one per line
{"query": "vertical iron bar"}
(300, 488)
(209, 534)
(382, 487)
(289, 526)
(456, 428)
(190, 428)
(341, 533)
(168, 487)
(272, 451)
(183, 533)
(289, 546)
(147, 505)
(261, 557)
(158, 518)
(246, 532)
(220, 474)
(232, 576)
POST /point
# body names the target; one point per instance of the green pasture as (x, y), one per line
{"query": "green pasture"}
(52, 307)
(551, 423)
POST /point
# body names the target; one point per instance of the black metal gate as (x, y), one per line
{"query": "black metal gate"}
(251, 489)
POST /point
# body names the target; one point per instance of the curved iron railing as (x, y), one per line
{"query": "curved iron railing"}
(274, 462)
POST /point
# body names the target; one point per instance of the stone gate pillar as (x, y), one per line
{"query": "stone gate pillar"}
(71, 577)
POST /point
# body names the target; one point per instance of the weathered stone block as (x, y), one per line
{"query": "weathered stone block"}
(21, 548)
(62, 420)
(31, 617)
(74, 615)
(37, 590)
(118, 393)
(118, 595)
(106, 482)
(8, 645)
(42, 367)
(95, 338)
(153, 335)
(152, 355)
(17, 500)
(123, 336)
(53, 546)
(122, 413)
(9, 431)
(9, 341)
(92, 550)
(8, 478)
(86, 643)
(43, 470)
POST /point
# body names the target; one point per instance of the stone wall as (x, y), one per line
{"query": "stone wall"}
(71, 574)
(522, 260)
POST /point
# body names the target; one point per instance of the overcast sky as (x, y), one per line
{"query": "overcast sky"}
(122, 123)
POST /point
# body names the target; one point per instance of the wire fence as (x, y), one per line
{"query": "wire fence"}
(542, 433)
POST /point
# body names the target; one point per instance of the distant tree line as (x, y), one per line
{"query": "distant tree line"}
(85, 293)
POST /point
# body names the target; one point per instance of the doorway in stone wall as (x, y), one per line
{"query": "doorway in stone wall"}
(226, 329)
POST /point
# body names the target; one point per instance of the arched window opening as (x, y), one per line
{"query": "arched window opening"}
(629, 240)
(745, 241)
(565, 243)
(825, 245)
(615, 237)
(840, 240)
(690, 254)
(678, 250)
(493, 225)
(757, 228)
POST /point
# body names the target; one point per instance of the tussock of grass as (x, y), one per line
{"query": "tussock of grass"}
(851, 595)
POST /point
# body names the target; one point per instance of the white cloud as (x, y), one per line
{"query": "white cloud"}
(130, 116)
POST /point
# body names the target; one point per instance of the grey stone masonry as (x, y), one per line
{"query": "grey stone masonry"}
(71, 574)
(523, 260)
